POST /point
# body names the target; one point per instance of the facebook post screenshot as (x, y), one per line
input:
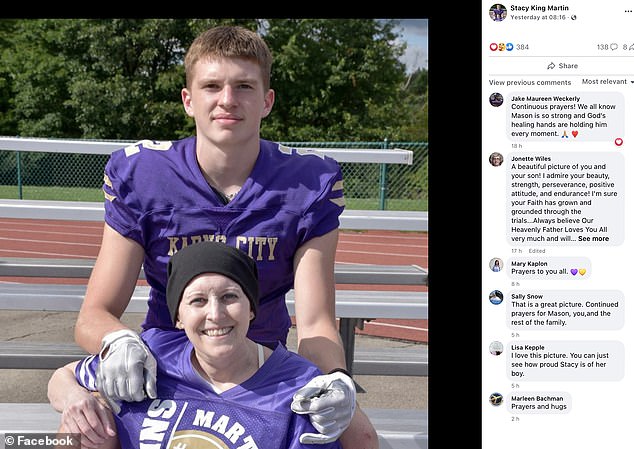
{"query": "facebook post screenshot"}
(556, 268)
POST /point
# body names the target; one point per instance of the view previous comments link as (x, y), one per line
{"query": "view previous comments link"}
(563, 198)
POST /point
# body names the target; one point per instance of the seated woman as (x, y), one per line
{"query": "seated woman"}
(216, 388)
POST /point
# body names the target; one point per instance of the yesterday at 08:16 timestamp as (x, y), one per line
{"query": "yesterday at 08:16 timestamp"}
(540, 12)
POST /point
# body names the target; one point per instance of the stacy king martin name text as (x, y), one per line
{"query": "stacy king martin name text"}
(539, 8)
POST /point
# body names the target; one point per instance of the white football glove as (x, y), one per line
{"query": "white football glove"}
(127, 368)
(330, 399)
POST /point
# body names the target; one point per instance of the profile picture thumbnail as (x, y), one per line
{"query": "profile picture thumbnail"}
(496, 99)
(496, 347)
(496, 159)
(496, 399)
(496, 264)
(496, 297)
(497, 12)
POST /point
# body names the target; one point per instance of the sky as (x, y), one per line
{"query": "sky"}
(415, 35)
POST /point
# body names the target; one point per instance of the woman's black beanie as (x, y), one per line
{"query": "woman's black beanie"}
(210, 257)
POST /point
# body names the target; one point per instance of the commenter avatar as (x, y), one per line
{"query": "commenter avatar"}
(496, 297)
(496, 99)
(496, 399)
(496, 264)
(496, 347)
(496, 159)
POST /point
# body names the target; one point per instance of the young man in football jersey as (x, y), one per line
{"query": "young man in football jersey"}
(214, 384)
(225, 184)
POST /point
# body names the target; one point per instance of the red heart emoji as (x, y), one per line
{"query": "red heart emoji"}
(574, 133)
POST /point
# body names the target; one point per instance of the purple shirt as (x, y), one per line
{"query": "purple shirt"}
(255, 414)
(157, 195)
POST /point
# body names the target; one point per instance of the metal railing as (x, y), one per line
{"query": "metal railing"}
(55, 169)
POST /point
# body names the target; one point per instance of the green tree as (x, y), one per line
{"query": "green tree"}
(328, 73)
(8, 125)
(336, 79)
(102, 79)
(39, 80)
(414, 104)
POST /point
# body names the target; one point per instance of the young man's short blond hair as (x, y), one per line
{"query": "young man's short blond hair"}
(229, 42)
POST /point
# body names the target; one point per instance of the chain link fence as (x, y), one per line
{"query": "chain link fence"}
(79, 177)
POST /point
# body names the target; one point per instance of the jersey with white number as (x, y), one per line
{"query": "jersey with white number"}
(189, 414)
(157, 195)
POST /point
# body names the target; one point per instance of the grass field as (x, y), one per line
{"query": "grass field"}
(87, 194)
(51, 193)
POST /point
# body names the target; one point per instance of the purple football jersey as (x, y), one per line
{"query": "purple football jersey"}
(157, 195)
(189, 413)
